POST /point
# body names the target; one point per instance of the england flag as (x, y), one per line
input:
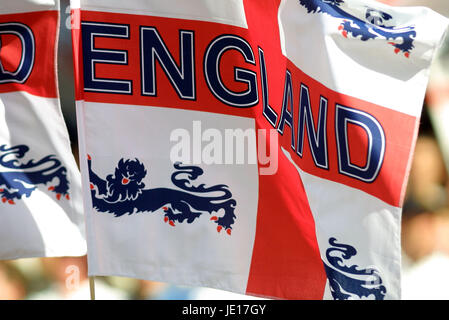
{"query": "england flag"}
(40, 184)
(259, 147)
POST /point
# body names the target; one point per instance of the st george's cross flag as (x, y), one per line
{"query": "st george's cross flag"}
(40, 184)
(259, 147)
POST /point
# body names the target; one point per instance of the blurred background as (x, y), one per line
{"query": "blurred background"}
(425, 221)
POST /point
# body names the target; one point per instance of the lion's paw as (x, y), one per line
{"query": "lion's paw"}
(170, 222)
(60, 192)
(228, 230)
(169, 216)
(10, 201)
(6, 196)
(220, 225)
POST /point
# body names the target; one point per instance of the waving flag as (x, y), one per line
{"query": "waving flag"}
(260, 147)
(40, 185)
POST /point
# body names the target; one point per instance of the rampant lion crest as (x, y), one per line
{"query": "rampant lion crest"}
(374, 24)
(124, 192)
(19, 179)
(347, 282)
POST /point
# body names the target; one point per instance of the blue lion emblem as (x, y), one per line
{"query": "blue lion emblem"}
(350, 282)
(22, 178)
(124, 193)
(372, 28)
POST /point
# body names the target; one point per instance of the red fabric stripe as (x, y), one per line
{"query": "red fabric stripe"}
(286, 261)
(42, 80)
(77, 54)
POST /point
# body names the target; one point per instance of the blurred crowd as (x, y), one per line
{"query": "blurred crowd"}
(425, 220)
(66, 278)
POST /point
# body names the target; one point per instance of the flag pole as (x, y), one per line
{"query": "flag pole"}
(92, 287)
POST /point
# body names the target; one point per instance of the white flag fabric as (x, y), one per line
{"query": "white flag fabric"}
(40, 185)
(260, 147)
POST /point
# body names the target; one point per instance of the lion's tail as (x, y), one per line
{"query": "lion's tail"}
(193, 173)
(18, 152)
